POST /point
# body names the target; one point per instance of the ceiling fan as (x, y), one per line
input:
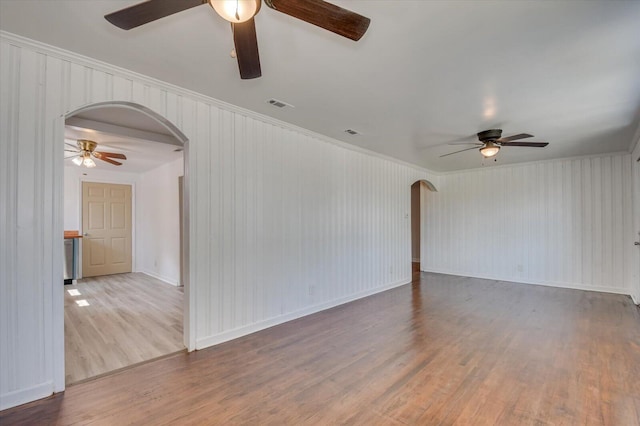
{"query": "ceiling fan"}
(490, 142)
(240, 14)
(85, 150)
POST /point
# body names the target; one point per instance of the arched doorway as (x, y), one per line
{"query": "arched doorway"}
(418, 198)
(130, 121)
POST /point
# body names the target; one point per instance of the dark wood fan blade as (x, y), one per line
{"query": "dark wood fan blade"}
(148, 11)
(531, 144)
(110, 154)
(462, 150)
(99, 156)
(324, 15)
(515, 137)
(246, 44)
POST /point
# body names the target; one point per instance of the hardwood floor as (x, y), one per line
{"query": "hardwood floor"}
(131, 318)
(445, 350)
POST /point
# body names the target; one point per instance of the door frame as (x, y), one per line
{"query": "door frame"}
(424, 186)
(57, 359)
(635, 208)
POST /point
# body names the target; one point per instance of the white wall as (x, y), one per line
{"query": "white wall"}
(564, 223)
(158, 222)
(283, 222)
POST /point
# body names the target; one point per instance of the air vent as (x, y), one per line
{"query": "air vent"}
(352, 132)
(279, 104)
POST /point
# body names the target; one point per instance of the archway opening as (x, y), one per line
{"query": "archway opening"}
(418, 203)
(130, 212)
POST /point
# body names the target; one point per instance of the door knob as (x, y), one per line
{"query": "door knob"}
(86, 234)
(637, 243)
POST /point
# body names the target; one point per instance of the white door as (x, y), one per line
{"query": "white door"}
(106, 229)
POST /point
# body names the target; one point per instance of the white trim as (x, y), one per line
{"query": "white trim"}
(96, 64)
(57, 361)
(17, 40)
(57, 310)
(22, 396)
(635, 299)
(252, 328)
(557, 284)
(162, 278)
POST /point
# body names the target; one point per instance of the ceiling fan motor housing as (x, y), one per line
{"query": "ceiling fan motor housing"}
(490, 135)
(87, 145)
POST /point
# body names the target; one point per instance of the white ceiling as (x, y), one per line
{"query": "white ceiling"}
(425, 73)
(146, 143)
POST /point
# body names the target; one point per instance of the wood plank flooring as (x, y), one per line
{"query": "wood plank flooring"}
(445, 350)
(131, 318)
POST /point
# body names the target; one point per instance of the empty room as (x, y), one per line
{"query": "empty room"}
(368, 212)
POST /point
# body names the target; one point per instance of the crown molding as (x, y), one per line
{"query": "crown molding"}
(70, 56)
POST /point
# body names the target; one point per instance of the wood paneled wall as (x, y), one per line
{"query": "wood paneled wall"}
(564, 223)
(283, 222)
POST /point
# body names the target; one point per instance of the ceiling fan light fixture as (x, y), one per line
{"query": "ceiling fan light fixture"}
(489, 149)
(77, 161)
(87, 161)
(236, 11)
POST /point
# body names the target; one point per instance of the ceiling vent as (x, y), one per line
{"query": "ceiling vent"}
(279, 104)
(352, 132)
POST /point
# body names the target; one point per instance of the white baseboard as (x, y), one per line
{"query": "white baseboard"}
(601, 289)
(635, 298)
(252, 328)
(22, 396)
(160, 277)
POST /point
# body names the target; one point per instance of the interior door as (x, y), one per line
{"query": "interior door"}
(106, 229)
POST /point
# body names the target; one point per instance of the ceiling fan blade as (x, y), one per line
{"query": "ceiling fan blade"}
(72, 150)
(246, 44)
(324, 15)
(462, 150)
(531, 144)
(465, 143)
(71, 145)
(148, 11)
(110, 154)
(515, 137)
(99, 156)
